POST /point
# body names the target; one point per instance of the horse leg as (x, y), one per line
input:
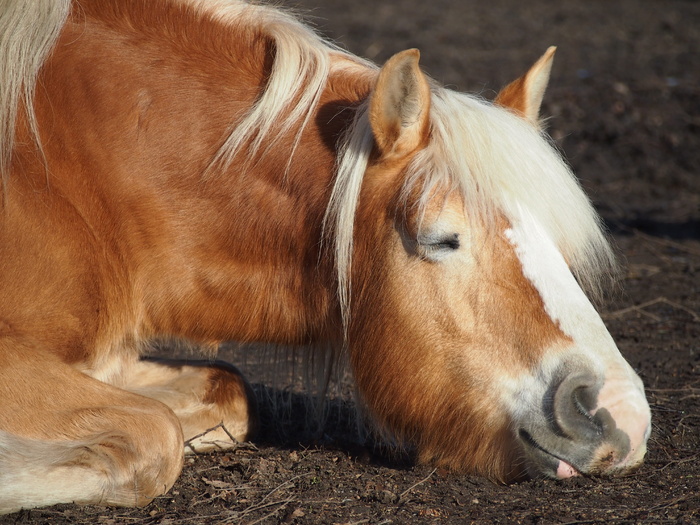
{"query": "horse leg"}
(213, 401)
(66, 437)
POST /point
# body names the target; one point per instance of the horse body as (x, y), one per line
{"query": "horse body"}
(139, 207)
(214, 171)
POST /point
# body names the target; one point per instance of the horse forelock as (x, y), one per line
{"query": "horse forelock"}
(500, 164)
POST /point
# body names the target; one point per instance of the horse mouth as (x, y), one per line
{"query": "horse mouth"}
(544, 462)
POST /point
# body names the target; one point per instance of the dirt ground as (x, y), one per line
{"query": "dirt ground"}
(624, 103)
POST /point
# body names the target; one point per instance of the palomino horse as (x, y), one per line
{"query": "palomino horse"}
(210, 171)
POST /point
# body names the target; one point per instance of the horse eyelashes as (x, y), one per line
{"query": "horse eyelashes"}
(434, 247)
(451, 242)
(442, 242)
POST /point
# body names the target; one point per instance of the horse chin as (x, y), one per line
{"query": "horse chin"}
(544, 463)
(549, 455)
(541, 463)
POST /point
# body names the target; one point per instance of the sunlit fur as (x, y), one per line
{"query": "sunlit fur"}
(238, 223)
(465, 130)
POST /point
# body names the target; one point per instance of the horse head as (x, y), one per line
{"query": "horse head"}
(469, 331)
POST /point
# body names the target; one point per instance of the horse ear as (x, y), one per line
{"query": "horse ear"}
(400, 105)
(525, 94)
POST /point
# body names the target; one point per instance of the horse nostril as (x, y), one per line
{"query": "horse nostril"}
(574, 401)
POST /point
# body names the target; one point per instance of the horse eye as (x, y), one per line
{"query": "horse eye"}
(451, 242)
(439, 242)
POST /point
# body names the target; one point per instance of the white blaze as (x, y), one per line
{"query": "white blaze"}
(566, 304)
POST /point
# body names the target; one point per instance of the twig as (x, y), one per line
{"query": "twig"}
(665, 242)
(678, 462)
(669, 503)
(640, 308)
(261, 505)
(685, 388)
(282, 504)
(689, 396)
(234, 440)
(282, 485)
(188, 442)
(689, 416)
(236, 444)
(409, 489)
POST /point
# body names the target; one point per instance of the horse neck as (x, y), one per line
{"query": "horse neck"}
(234, 255)
(260, 269)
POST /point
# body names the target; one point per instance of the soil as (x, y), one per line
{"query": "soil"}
(624, 107)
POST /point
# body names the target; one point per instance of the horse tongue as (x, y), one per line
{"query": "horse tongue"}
(565, 470)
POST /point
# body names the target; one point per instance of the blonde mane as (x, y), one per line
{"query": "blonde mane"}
(28, 33)
(298, 76)
(299, 72)
(501, 162)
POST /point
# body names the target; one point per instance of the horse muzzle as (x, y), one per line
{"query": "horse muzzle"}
(588, 426)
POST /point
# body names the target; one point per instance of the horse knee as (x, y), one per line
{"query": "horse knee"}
(104, 456)
(139, 457)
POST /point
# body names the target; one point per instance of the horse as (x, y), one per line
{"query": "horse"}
(213, 171)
